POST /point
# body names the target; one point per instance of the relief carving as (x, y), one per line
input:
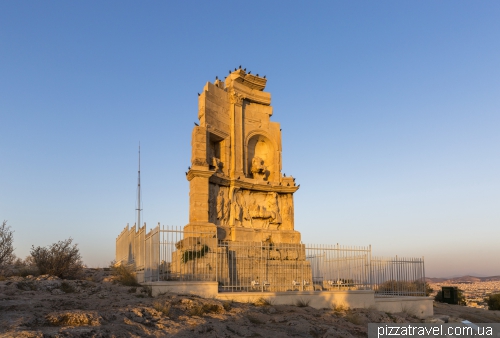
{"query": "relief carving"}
(237, 207)
(219, 205)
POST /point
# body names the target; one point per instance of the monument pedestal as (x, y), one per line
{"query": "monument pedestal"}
(241, 234)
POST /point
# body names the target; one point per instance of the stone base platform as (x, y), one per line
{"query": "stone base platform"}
(421, 307)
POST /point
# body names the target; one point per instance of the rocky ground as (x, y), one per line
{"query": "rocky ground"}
(95, 306)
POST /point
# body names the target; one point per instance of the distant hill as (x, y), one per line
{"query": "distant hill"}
(463, 279)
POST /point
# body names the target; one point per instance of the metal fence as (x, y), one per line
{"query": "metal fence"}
(336, 267)
(398, 276)
(174, 254)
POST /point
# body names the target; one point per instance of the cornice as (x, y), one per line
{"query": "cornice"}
(257, 186)
(192, 173)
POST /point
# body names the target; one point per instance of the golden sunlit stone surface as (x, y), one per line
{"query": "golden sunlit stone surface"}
(237, 187)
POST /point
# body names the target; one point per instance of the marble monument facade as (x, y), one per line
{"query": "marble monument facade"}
(236, 184)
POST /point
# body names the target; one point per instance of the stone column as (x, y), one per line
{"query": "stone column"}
(236, 109)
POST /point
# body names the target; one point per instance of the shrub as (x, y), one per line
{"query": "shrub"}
(24, 267)
(124, 274)
(60, 259)
(6, 247)
(192, 254)
(493, 301)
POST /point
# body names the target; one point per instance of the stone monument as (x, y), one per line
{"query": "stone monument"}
(236, 184)
(237, 191)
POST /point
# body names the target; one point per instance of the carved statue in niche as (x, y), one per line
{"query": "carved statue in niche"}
(258, 168)
(216, 164)
(214, 156)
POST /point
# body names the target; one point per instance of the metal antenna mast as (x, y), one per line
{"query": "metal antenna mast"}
(139, 191)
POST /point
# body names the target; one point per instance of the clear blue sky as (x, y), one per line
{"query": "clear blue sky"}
(390, 113)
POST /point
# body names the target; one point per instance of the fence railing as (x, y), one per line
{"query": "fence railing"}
(339, 267)
(398, 276)
(177, 255)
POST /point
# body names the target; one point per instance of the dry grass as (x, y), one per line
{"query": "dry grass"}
(200, 310)
(124, 275)
(263, 302)
(302, 302)
(162, 306)
(73, 318)
(227, 305)
(339, 308)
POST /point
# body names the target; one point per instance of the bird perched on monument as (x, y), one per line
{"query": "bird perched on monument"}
(196, 124)
(199, 94)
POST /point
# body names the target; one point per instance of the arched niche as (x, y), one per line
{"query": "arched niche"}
(262, 147)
